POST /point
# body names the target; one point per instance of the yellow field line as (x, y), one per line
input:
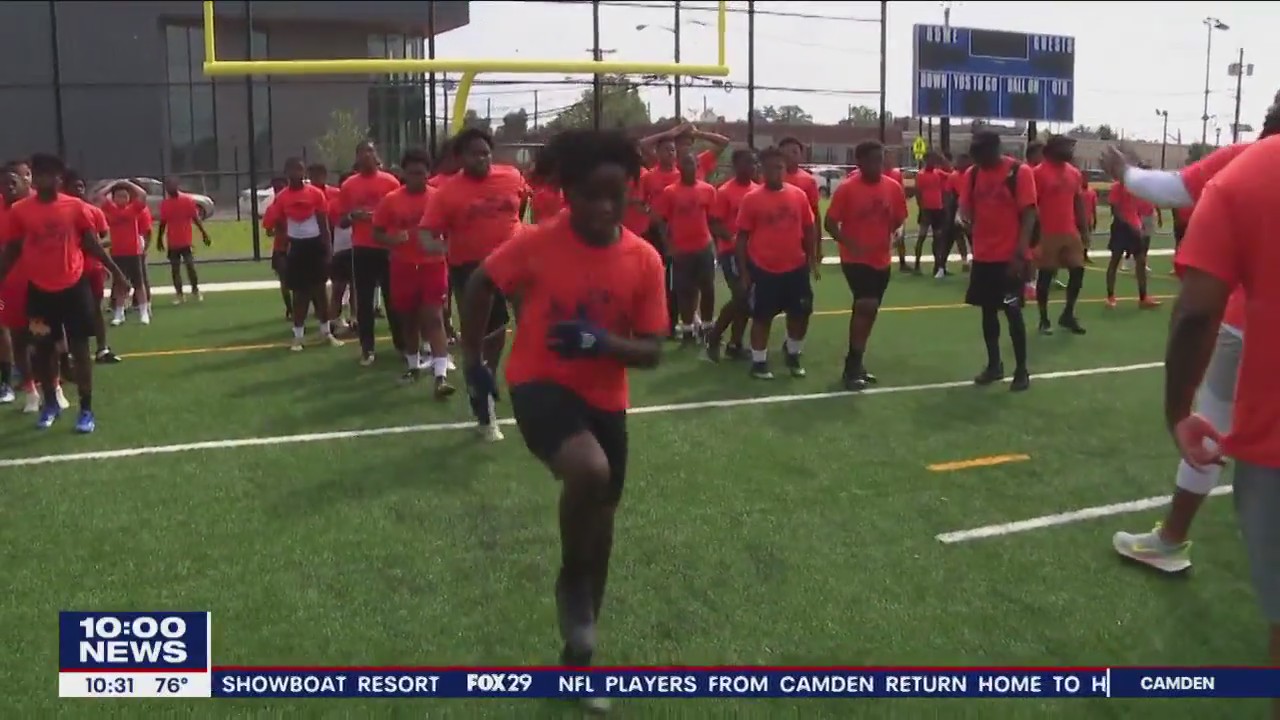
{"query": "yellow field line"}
(280, 345)
(977, 462)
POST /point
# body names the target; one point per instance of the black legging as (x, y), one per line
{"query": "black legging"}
(370, 269)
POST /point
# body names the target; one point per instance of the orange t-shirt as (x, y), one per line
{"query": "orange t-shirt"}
(51, 235)
(363, 192)
(1232, 237)
(476, 215)
(994, 210)
(178, 214)
(707, 161)
(1056, 187)
(1091, 205)
(297, 209)
(546, 203)
(556, 277)
(401, 211)
(929, 185)
(894, 174)
(1124, 206)
(16, 280)
(441, 178)
(687, 211)
(98, 220)
(126, 225)
(636, 217)
(728, 202)
(868, 214)
(802, 179)
(776, 223)
(656, 180)
(954, 180)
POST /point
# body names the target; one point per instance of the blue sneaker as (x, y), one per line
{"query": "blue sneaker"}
(85, 423)
(48, 416)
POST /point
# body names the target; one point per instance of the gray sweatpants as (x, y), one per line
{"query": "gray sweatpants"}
(1257, 499)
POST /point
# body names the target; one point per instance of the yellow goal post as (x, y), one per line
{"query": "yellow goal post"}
(213, 67)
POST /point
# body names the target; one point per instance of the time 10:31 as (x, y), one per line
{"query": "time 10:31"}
(109, 686)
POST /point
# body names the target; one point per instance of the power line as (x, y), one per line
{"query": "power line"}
(738, 11)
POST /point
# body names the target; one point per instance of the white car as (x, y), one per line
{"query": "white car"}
(155, 195)
(265, 196)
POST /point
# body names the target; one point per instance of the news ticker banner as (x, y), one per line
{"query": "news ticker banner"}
(168, 654)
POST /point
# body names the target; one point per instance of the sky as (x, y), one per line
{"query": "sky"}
(1132, 58)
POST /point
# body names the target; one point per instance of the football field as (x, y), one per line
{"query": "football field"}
(328, 516)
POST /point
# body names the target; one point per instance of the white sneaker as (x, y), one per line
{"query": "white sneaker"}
(7, 395)
(333, 341)
(179, 300)
(367, 360)
(62, 398)
(117, 320)
(296, 346)
(1150, 549)
(199, 297)
(450, 367)
(490, 432)
(144, 317)
(32, 404)
(940, 274)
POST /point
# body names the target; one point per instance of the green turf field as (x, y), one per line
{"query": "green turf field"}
(779, 533)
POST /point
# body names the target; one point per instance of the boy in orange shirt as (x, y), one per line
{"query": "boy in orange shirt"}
(684, 208)
(370, 262)
(591, 307)
(178, 213)
(419, 274)
(129, 221)
(865, 213)
(733, 316)
(1063, 226)
(74, 185)
(777, 251)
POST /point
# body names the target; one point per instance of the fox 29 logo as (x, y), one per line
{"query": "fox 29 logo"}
(139, 641)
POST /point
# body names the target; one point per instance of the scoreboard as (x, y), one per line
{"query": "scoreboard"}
(992, 74)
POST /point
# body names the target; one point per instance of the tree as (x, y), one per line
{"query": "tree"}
(791, 114)
(620, 101)
(863, 115)
(515, 125)
(1106, 133)
(337, 146)
(472, 119)
(1197, 150)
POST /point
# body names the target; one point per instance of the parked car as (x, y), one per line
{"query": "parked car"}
(155, 194)
(265, 196)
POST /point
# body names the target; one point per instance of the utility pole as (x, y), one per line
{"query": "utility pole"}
(1212, 24)
(944, 123)
(1164, 136)
(1239, 70)
(676, 31)
(597, 84)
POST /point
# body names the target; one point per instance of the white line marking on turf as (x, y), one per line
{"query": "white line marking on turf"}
(272, 284)
(1066, 518)
(436, 427)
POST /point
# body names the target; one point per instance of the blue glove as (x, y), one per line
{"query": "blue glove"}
(572, 339)
(482, 388)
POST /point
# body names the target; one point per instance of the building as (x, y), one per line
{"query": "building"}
(117, 87)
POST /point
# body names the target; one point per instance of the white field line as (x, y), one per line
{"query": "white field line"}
(272, 284)
(1066, 518)
(436, 427)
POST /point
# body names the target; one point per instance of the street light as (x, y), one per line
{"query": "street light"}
(1164, 136)
(1212, 23)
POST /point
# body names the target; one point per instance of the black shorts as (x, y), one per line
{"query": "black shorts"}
(728, 262)
(69, 311)
(690, 270)
(134, 269)
(866, 282)
(548, 414)
(1125, 239)
(772, 294)
(280, 263)
(1179, 230)
(934, 219)
(307, 265)
(340, 267)
(991, 285)
(498, 315)
(180, 254)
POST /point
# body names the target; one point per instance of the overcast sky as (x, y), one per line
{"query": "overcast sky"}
(1132, 58)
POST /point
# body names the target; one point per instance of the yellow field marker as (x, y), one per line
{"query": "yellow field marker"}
(977, 462)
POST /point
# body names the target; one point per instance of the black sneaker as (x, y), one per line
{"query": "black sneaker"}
(854, 383)
(106, 357)
(761, 371)
(794, 366)
(1071, 325)
(734, 352)
(410, 377)
(1021, 381)
(713, 351)
(1045, 327)
(992, 374)
(903, 268)
(444, 389)
(868, 377)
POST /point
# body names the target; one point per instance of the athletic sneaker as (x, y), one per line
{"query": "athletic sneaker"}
(179, 300)
(713, 351)
(443, 389)
(1059, 282)
(61, 397)
(1070, 324)
(1111, 302)
(332, 341)
(940, 274)
(6, 394)
(296, 345)
(991, 374)
(410, 376)
(1045, 328)
(1150, 549)
(199, 296)
(32, 402)
(366, 359)
(794, 366)
(106, 357)
(490, 432)
(1126, 265)
(48, 416)
(1148, 303)
(118, 319)
(761, 371)
(144, 317)
(85, 423)
(1021, 381)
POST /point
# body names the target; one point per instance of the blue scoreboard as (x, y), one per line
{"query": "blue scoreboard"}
(992, 74)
